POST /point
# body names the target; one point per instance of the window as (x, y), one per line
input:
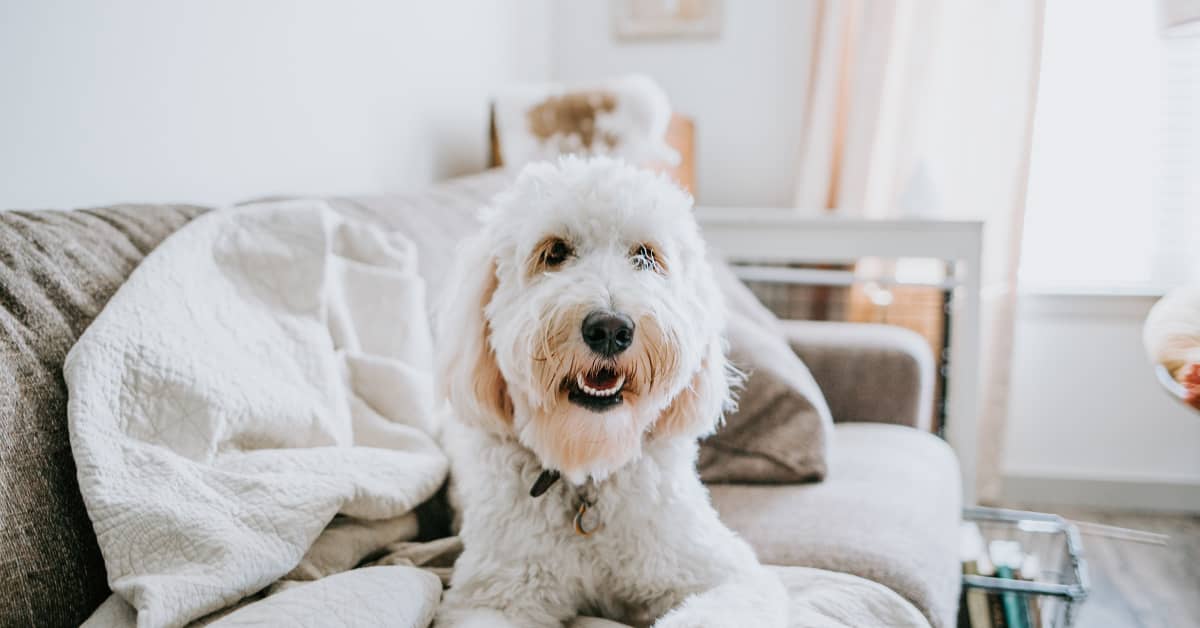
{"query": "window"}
(1114, 185)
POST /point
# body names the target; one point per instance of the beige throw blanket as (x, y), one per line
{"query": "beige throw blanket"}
(263, 370)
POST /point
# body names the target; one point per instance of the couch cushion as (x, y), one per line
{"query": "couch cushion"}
(57, 270)
(782, 428)
(888, 511)
(870, 373)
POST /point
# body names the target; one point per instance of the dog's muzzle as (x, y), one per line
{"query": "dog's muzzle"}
(607, 334)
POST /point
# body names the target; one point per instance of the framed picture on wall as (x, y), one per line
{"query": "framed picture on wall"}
(665, 19)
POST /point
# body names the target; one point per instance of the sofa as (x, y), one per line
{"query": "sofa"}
(888, 509)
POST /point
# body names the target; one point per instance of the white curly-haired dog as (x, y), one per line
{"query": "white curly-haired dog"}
(584, 339)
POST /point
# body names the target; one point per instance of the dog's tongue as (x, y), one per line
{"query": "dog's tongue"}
(602, 379)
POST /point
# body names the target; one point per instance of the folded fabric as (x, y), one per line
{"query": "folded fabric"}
(371, 596)
(263, 370)
(782, 429)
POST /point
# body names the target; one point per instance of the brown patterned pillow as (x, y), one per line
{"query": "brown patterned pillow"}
(57, 270)
(782, 429)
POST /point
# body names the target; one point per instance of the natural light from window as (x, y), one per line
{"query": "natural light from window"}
(1112, 197)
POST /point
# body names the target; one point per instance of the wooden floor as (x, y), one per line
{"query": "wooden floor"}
(1139, 585)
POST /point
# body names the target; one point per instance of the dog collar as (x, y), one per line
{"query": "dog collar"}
(587, 518)
(545, 480)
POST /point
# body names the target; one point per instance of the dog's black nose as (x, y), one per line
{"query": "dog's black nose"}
(607, 333)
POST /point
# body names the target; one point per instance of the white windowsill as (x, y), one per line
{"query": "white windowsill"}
(1084, 290)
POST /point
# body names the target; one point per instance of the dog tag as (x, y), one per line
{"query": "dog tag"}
(587, 520)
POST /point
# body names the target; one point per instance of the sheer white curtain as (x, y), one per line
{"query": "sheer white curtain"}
(925, 108)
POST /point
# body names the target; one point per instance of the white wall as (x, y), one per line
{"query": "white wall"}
(218, 101)
(223, 100)
(745, 90)
(1088, 423)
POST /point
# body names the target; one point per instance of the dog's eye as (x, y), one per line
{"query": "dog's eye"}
(644, 257)
(556, 252)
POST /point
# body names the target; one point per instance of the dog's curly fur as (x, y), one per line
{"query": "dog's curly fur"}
(566, 240)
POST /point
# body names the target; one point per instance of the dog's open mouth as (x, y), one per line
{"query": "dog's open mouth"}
(597, 390)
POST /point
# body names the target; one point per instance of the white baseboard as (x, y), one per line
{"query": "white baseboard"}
(1103, 493)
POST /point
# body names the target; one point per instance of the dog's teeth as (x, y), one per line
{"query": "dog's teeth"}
(608, 392)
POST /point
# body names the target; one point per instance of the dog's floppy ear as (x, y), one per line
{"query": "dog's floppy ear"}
(467, 371)
(698, 409)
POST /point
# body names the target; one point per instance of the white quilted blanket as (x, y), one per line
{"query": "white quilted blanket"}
(263, 370)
